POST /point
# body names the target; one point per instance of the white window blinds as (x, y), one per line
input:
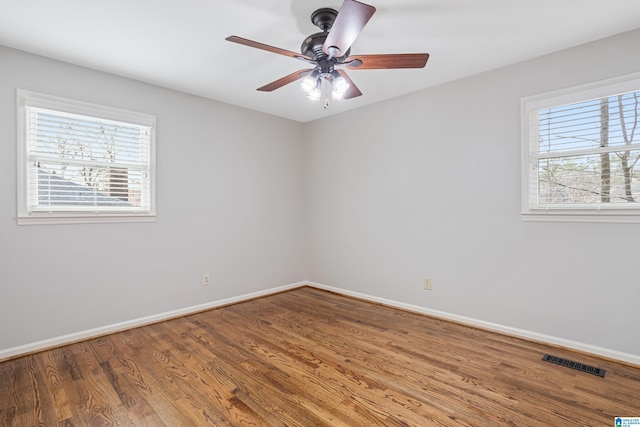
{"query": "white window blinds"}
(587, 152)
(84, 165)
(583, 154)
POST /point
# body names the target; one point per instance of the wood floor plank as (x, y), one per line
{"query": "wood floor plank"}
(307, 357)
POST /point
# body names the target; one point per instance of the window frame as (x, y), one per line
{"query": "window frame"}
(570, 213)
(26, 99)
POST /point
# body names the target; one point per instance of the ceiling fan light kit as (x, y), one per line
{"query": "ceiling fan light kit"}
(330, 49)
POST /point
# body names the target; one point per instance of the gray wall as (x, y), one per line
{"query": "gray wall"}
(429, 185)
(229, 187)
(423, 185)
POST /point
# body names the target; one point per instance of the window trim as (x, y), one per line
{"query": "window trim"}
(24, 99)
(571, 213)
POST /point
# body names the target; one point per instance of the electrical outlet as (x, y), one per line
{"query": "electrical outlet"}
(427, 284)
(205, 279)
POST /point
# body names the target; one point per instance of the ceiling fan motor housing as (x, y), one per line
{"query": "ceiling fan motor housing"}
(312, 46)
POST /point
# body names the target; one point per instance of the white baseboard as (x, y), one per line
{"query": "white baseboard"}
(13, 352)
(104, 330)
(548, 339)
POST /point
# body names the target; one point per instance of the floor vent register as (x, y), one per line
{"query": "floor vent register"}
(574, 365)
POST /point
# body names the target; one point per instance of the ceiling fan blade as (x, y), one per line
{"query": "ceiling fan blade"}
(268, 48)
(353, 90)
(269, 87)
(351, 19)
(386, 61)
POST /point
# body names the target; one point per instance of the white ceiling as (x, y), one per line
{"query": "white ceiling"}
(180, 44)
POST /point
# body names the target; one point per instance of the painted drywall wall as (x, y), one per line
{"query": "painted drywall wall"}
(424, 185)
(428, 185)
(229, 185)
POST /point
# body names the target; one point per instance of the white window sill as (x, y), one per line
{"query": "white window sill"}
(83, 219)
(626, 216)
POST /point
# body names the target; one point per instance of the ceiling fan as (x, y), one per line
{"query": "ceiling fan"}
(330, 50)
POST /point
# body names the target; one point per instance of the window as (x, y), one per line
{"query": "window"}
(80, 162)
(581, 153)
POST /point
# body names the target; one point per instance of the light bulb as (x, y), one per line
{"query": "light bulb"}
(315, 94)
(340, 87)
(308, 84)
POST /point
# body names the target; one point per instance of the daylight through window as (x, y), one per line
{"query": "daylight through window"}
(582, 153)
(83, 161)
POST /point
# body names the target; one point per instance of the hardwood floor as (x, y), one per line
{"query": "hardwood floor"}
(310, 358)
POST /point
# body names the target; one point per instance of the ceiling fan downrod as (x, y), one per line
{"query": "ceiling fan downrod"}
(324, 18)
